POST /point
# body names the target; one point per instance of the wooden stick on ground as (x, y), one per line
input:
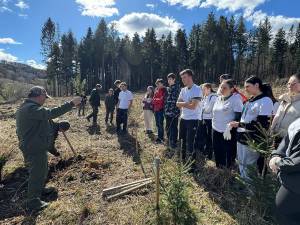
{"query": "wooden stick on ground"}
(129, 190)
(69, 143)
(116, 188)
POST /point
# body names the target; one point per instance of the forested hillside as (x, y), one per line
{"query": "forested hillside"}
(216, 46)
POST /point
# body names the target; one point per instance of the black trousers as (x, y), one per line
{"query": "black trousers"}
(190, 132)
(81, 109)
(207, 138)
(121, 118)
(109, 113)
(172, 130)
(287, 207)
(94, 114)
(234, 145)
(222, 149)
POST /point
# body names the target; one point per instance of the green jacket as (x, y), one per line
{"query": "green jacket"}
(34, 129)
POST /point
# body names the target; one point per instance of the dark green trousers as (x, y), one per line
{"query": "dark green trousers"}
(37, 164)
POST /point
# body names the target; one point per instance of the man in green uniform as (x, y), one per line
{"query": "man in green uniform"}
(36, 137)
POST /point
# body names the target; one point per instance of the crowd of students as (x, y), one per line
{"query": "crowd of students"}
(219, 124)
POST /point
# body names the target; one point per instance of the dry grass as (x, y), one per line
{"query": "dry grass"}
(111, 160)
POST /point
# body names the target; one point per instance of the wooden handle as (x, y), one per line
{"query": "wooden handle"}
(69, 143)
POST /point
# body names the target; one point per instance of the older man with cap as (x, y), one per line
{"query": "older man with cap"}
(36, 133)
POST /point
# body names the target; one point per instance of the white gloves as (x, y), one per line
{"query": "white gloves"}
(227, 134)
(273, 164)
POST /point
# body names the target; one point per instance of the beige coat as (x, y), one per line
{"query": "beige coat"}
(288, 112)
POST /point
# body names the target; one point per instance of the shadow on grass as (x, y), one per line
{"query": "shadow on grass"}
(131, 147)
(225, 190)
(13, 189)
(94, 129)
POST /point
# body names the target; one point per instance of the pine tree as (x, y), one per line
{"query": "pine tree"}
(240, 46)
(54, 67)
(100, 39)
(181, 49)
(168, 55)
(86, 58)
(297, 49)
(47, 38)
(263, 38)
(151, 55)
(69, 56)
(136, 60)
(280, 48)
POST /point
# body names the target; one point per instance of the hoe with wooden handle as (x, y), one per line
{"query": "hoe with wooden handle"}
(69, 143)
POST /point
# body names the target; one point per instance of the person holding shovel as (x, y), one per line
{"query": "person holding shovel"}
(35, 135)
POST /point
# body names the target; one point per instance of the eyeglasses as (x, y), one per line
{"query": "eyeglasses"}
(292, 84)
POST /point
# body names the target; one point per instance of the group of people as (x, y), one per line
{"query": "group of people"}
(207, 123)
(223, 123)
(120, 99)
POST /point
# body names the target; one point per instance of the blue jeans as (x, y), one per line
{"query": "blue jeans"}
(159, 119)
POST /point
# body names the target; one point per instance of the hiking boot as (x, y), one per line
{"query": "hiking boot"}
(159, 141)
(35, 205)
(49, 190)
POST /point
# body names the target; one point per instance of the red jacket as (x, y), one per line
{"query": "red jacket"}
(244, 98)
(159, 99)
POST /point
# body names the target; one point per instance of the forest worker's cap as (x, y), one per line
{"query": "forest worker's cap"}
(36, 91)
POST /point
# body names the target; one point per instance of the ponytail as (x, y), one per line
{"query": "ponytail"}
(267, 91)
(265, 88)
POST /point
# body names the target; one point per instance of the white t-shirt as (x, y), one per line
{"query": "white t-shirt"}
(260, 107)
(207, 106)
(224, 112)
(187, 95)
(125, 97)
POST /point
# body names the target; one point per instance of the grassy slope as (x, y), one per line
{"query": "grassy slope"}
(111, 160)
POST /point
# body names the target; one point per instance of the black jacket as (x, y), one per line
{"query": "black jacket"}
(95, 98)
(289, 165)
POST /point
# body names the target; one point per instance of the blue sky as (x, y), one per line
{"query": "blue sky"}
(21, 20)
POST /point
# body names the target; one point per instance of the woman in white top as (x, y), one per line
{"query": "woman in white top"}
(257, 113)
(208, 102)
(227, 108)
(148, 109)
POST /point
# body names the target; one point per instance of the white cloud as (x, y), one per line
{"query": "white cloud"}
(276, 22)
(232, 5)
(34, 64)
(98, 8)
(9, 41)
(140, 22)
(25, 16)
(22, 5)
(185, 3)
(151, 6)
(7, 57)
(246, 7)
(5, 9)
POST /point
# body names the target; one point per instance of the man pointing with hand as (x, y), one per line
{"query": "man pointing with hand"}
(36, 136)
